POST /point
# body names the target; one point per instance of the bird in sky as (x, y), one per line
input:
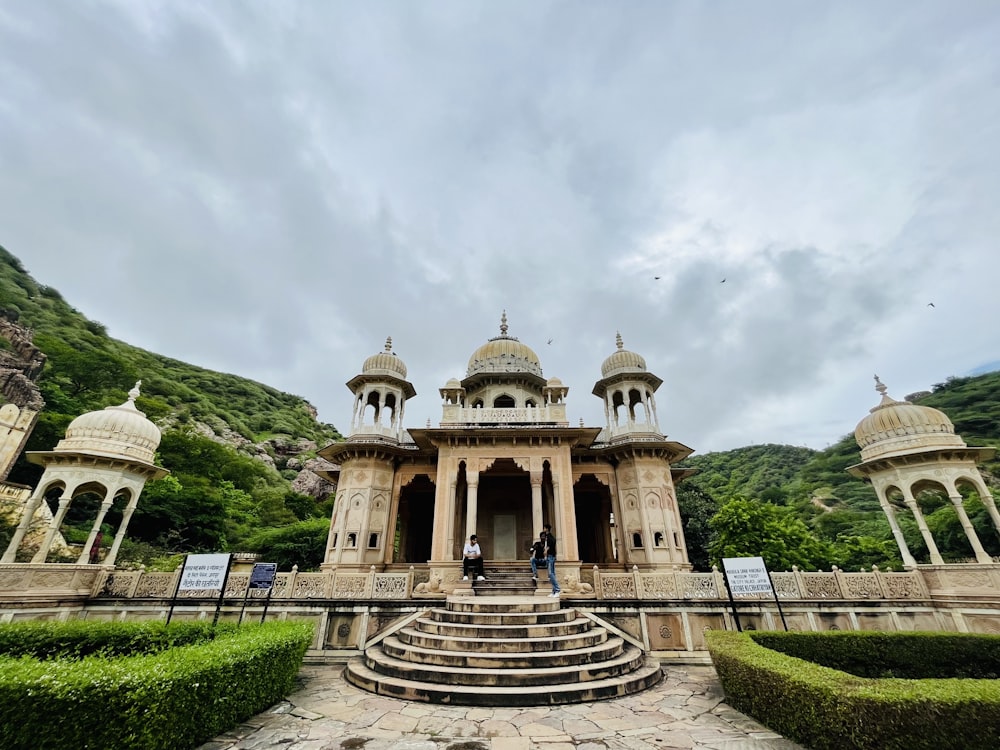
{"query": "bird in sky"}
(723, 281)
(657, 278)
(549, 341)
(930, 304)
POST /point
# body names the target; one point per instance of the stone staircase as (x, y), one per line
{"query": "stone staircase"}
(509, 579)
(503, 651)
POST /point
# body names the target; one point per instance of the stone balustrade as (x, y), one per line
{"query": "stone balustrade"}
(600, 585)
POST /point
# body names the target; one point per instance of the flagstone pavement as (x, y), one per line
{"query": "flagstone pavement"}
(325, 712)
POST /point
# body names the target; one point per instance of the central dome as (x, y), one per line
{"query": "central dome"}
(504, 354)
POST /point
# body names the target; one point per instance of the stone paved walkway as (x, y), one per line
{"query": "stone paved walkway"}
(326, 713)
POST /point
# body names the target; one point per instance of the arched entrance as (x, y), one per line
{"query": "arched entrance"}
(504, 511)
(592, 501)
(415, 521)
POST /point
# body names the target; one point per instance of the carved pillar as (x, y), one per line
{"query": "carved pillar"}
(536, 503)
(50, 535)
(970, 532)
(92, 536)
(897, 533)
(117, 543)
(10, 555)
(911, 503)
(656, 419)
(471, 502)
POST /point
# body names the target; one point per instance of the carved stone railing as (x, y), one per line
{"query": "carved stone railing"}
(547, 414)
(23, 581)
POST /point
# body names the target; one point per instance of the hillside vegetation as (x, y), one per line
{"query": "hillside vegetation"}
(226, 439)
(817, 514)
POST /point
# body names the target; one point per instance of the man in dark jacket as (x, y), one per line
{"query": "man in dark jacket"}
(537, 556)
(550, 558)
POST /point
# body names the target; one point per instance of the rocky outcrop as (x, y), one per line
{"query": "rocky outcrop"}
(308, 482)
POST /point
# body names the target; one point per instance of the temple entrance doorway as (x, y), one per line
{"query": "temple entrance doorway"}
(593, 521)
(504, 511)
(415, 521)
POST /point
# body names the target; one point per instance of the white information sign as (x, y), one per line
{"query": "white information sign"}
(746, 575)
(204, 572)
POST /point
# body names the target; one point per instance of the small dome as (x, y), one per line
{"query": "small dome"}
(504, 354)
(896, 427)
(385, 363)
(453, 383)
(622, 361)
(115, 431)
(553, 383)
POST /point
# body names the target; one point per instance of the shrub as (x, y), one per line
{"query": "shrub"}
(79, 638)
(825, 708)
(173, 699)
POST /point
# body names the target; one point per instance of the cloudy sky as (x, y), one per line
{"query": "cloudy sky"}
(271, 189)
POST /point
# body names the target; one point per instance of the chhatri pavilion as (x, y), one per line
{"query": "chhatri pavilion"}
(503, 462)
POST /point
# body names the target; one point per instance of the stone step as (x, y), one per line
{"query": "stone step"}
(629, 660)
(504, 618)
(461, 659)
(646, 676)
(477, 630)
(591, 637)
(503, 604)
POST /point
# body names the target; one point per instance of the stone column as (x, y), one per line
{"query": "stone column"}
(911, 503)
(970, 532)
(120, 536)
(471, 502)
(10, 555)
(92, 536)
(536, 503)
(897, 533)
(991, 506)
(50, 535)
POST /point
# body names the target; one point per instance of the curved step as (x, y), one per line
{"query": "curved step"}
(590, 654)
(503, 618)
(503, 604)
(627, 661)
(468, 644)
(645, 676)
(475, 630)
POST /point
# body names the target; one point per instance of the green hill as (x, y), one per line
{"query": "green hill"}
(226, 439)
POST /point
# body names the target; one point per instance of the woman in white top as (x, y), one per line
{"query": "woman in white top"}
(472, 560)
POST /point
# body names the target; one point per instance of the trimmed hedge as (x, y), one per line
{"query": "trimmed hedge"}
(75, 639)
(170, 700)
(912, 656)
(826, 709)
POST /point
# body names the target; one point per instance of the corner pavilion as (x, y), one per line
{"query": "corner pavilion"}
(502, 463)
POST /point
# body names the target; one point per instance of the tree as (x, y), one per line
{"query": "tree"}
(697, 508)
(747, 528)
(302, 543)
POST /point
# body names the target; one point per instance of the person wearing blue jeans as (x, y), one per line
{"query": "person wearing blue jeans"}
(550, 558)
(537, 556)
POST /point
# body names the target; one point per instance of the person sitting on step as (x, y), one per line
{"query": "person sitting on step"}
(537, 556)
(472, 560)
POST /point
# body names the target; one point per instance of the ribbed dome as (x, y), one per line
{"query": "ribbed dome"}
(385, 363)
(115, 431)
(895, 427)
(622, 361)
(504, 354)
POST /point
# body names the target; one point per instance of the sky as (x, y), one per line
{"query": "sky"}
(771, 201)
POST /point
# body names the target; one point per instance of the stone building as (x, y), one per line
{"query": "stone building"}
(503, 462)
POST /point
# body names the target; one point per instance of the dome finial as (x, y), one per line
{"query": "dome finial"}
(134, 393)
(388, 343)
(880, 387)
(618, 340)
(503, 324)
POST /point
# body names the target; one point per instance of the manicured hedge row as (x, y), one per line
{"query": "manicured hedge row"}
(75, 639)
(826, 709)
(171, 700)
(913, 656)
